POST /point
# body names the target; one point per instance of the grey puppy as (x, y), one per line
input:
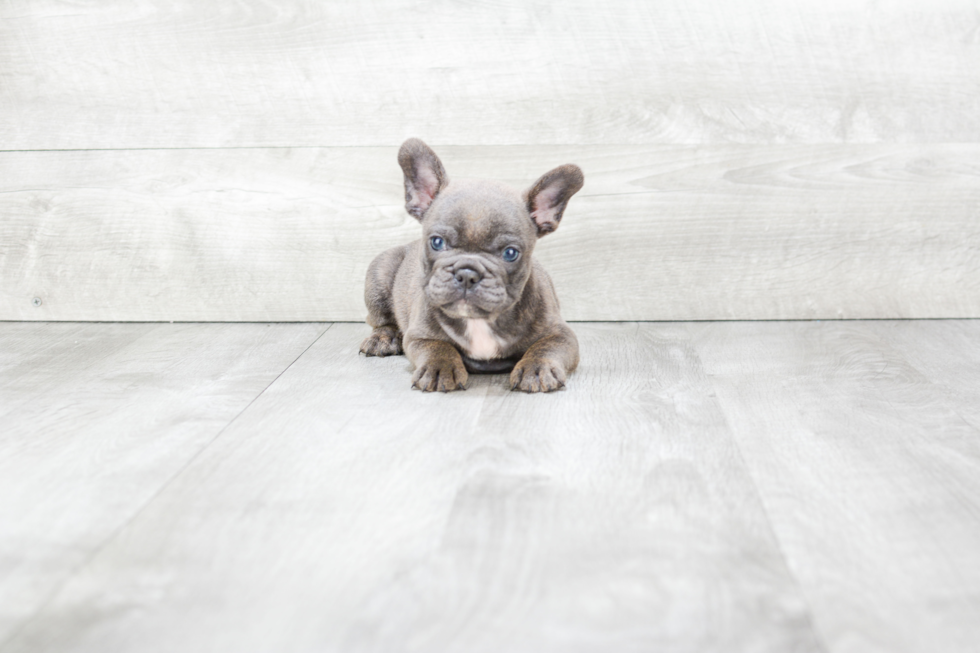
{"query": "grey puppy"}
(468, 297)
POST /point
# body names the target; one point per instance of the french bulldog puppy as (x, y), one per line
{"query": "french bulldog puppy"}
(468, 297)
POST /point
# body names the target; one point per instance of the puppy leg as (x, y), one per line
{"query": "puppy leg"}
(438, 366)
(386, 339)
(383, 341)
(547, 363)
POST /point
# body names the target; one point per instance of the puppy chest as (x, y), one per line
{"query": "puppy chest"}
(481, 343)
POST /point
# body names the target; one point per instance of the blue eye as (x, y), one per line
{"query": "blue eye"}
(511, 254)
(437, 243)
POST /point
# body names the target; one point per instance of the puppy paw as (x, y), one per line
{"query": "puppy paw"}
(383, 341)
(442, 374)
(537, 375)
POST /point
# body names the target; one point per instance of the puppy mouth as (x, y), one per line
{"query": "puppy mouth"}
(463, 308)
(467, 289)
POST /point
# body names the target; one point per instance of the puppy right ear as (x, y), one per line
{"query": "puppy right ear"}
(424, 176)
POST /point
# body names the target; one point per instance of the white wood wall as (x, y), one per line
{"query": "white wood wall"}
(755, 159)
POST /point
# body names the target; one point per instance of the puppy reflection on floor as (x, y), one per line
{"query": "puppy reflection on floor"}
(468, 297)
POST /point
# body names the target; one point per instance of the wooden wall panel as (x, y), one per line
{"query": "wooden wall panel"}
(658, 233)
(744, 158)
(119, 74)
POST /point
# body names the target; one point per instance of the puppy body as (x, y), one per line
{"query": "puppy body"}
(469, 297)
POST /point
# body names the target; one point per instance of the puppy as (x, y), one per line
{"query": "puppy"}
(468, 297)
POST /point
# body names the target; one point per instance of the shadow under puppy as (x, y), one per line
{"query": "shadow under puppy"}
(468, 297)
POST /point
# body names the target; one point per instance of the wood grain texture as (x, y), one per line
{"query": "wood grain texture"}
(946, 353)
(615, 516)
(869, 475)
(96, 418)
(251, 73)
(344, 511)
(658, 232)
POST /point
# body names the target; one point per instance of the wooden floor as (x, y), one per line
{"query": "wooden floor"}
(739, 486)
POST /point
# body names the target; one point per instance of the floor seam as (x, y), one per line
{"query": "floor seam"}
(42, 606)
(814, 628)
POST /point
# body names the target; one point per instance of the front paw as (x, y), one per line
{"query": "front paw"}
(383, 341)
(442, 374)
(537, 375)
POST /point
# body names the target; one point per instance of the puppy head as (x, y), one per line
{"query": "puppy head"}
(478, 236)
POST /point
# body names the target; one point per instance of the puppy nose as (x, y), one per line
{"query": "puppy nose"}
(468, 277)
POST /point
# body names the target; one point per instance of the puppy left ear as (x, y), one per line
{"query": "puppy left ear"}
(424, 176)
(549, 195)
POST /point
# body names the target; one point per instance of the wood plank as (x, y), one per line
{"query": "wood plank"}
(946, 353)
(344, 511)
(869, 477)
(28, 353)
(97, 418)
(616, 516)
(658, 232)
(189, 74)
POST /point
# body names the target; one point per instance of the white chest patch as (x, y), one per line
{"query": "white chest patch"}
(480, 341)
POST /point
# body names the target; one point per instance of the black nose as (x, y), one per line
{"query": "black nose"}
(468, 277)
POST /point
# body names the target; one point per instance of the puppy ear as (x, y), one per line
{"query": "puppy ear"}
(424, 176)
(547, 198)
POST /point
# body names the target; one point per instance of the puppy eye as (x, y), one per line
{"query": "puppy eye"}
(437, 243)
(511, 254)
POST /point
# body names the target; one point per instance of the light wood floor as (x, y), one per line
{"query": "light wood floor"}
(766, 486)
